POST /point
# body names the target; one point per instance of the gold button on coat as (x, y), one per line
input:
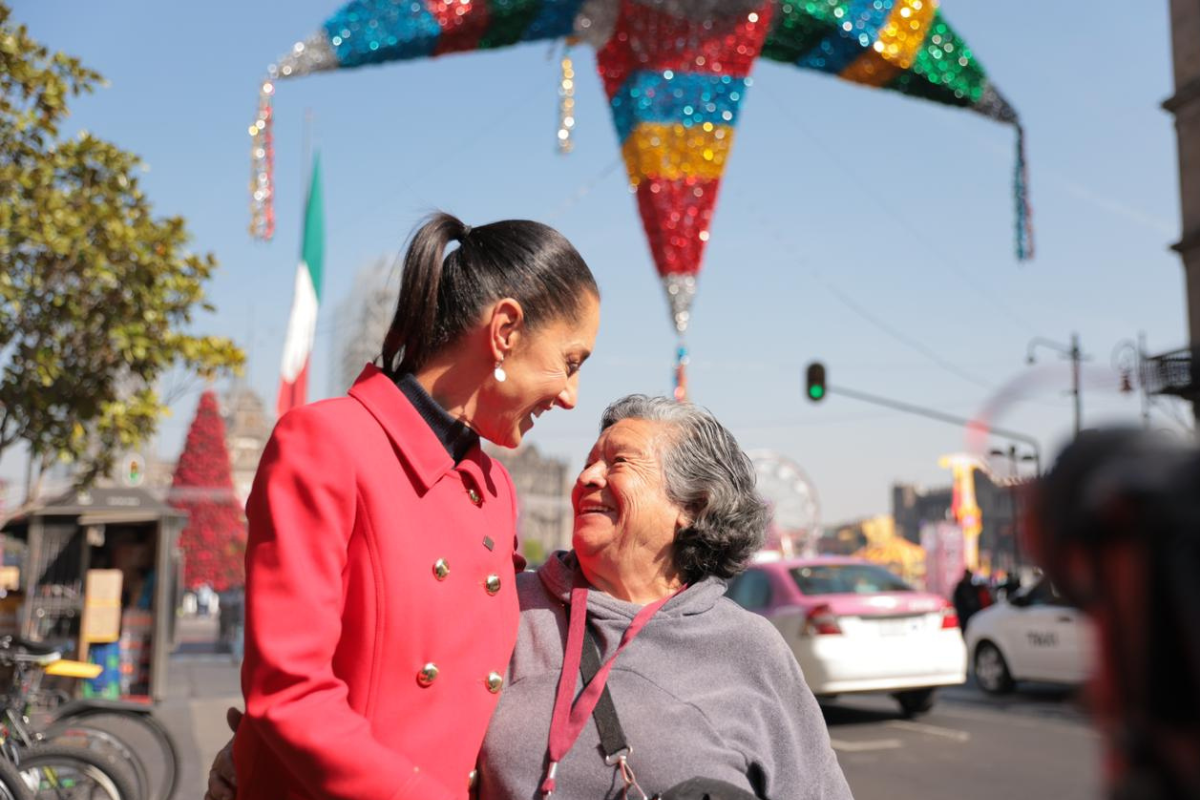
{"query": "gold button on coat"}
(492, 584)
(474, 495)
(441, 568)
(428, 674)
(495, 682)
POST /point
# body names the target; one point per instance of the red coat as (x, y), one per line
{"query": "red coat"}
(371, 556)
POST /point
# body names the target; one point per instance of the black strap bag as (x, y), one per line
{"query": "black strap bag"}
(616, 748)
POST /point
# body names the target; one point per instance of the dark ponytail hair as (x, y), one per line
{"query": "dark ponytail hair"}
(442, 294)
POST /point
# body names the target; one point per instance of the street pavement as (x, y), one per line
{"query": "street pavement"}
(201, 685)
(1034, 743)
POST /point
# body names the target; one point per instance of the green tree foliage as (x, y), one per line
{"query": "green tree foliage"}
(96, 294)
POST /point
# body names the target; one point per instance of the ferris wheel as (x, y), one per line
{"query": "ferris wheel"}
(795, 507)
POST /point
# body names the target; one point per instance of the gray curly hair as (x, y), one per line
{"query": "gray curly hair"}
(706, 474)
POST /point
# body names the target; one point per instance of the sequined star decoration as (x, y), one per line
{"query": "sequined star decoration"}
(675, 73)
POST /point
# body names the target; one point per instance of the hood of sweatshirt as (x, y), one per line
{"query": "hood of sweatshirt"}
(558, 576)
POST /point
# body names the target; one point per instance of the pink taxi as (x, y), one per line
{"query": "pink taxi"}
(856, 627)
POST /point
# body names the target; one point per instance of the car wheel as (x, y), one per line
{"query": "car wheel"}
(991, 670)
(915, 701)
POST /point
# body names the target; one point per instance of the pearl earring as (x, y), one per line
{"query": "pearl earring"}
(500, 375)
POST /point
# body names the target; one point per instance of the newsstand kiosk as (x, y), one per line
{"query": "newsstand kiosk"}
(98, 571)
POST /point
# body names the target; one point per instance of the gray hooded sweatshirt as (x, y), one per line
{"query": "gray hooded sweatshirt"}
(707, 689)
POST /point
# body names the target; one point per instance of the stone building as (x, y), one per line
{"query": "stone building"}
(1176, 373)
(842, 538)
(1185, 106)
(543, 487)
(247, 429)
(248, 426)
(361, 320)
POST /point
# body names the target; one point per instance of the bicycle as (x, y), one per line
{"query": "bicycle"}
(72, 773)
(108, 727)
(49, 772)
(130, 724)
(12, 785)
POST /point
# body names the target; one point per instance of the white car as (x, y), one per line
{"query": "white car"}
(1036, 636)
(855, 627)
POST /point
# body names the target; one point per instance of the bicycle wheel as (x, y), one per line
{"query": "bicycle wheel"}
(12, 785)
(78, 733)
(144, 735)
(74, 773)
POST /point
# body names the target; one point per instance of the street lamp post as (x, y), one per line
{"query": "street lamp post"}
(1072, 352)
(1129, 361)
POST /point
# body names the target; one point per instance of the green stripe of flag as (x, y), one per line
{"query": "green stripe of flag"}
(313, 249)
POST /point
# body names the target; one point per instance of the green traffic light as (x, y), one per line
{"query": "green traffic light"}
(814, 379)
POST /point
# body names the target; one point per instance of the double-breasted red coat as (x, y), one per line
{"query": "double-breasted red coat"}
(381, 608)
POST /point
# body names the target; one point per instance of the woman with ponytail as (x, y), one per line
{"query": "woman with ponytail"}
(381, 605)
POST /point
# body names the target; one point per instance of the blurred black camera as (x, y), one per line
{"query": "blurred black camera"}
(1116, 526)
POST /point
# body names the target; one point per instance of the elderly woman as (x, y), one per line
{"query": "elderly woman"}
(684, 684)
(665, 509)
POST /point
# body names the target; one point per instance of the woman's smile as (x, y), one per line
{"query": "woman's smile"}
(595, 508)
(532, 417)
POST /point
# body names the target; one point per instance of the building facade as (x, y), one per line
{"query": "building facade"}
(545, 520)
(248, 426)
(1184, 105)
(1177, 373)
(247, 429)
(361, 321)
(1000, 505)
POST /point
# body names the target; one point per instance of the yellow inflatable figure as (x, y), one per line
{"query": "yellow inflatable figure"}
(963, 505)
(885, 548)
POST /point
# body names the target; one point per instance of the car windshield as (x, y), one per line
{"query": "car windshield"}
(846, 579)
(1042, 593)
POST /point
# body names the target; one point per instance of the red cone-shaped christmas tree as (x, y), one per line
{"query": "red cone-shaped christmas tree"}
(214, 541)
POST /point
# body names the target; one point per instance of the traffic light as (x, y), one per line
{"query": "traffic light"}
(134, 470)
(815, 377)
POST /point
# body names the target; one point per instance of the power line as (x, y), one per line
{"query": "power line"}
(583, 190)
(467, 143)
(890, 211)
(858, 310)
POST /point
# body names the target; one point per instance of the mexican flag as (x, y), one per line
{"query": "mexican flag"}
(302, 324)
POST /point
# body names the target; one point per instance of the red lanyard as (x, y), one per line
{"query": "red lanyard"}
(569, 719)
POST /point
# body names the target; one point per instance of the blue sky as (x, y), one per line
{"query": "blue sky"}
(871, 231)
